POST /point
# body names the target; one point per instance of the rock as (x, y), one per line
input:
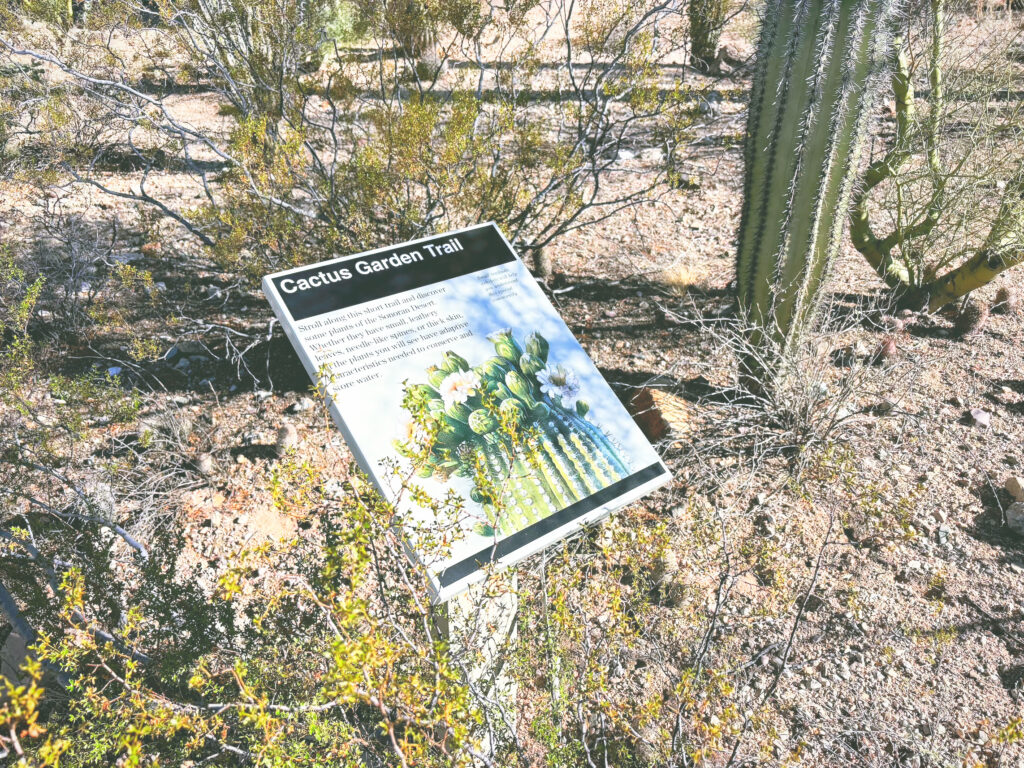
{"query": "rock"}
(892, 324)
(1014, 486)
(661, 414)
(625, 155)
(205, 464)
(665, 567)
(979, 417)
(302, 405)
(287, 439)
(886, 351)
(850, 355)
(1015, 517)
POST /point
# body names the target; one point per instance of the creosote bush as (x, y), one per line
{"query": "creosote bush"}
(330, 150)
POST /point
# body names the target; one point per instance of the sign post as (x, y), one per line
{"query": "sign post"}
(444, 356)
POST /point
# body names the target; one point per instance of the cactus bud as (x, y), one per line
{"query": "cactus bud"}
(501, 391)
(520, 387)
(530, 364)
(582, 408)
(424, 392)
(506, 345)
(537, 346)
(452, 362)
(435, 375)
(540, 411)
(459, 412)
(495, 368)
(512, 410)
(481, 421)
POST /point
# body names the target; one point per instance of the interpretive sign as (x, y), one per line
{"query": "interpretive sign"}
(444, 355)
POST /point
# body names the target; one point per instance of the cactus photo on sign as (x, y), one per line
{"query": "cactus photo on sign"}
(451, 376)
(518, 423)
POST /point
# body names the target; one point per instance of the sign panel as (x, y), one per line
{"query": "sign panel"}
(443, 356)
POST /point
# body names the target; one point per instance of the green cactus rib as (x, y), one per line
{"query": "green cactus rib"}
(548, 497)
(565, 471)
(608, 451)
(559, 489)
(527, 504)
(815, 75)
(586, 473)
(494, 424)
(592, 458)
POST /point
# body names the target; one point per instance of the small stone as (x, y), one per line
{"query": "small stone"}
(1014, 486)
(287, 439)
(1015, 518)
(205, 465)
(302, 405)
(892, 324)
(887, 350)
(665, 567)
(980, 417)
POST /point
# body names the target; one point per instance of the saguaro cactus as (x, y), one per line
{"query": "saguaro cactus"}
(816, 69)
(516, 425)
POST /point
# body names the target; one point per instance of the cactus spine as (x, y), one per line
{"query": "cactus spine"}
(516, 426)
(816, 70)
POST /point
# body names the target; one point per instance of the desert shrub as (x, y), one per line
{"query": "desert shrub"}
(707, 19)
(330, 149)
(938, 213)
